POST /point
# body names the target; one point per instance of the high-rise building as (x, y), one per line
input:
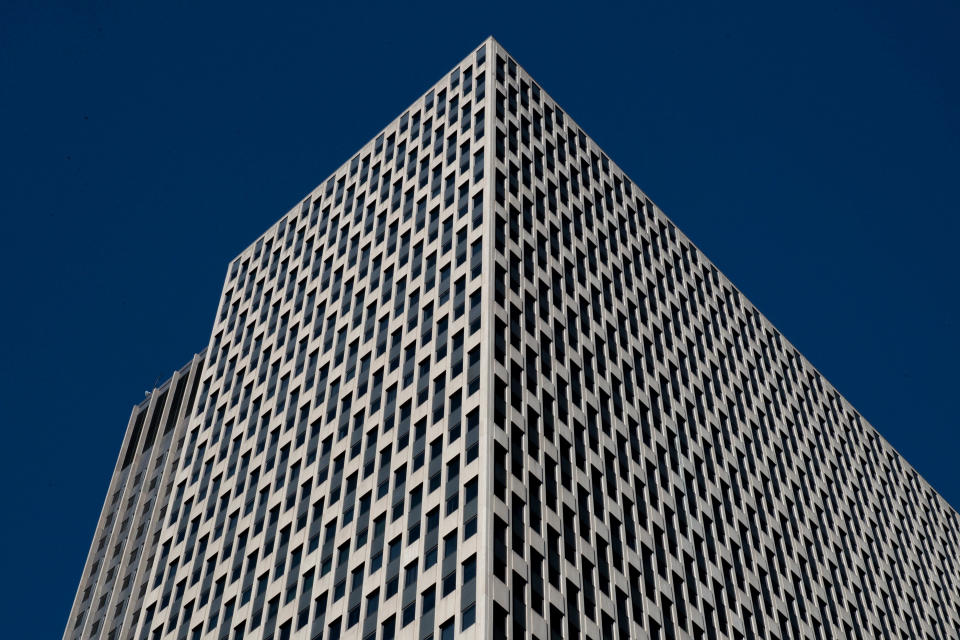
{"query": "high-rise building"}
(477, 385)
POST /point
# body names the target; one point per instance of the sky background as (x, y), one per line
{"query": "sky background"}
(811, 151)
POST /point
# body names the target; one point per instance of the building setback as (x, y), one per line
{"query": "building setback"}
(477, 385)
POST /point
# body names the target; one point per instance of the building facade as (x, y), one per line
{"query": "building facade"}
(477, 385)
(112, 585)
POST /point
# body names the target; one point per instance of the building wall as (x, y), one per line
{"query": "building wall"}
(113, 581)
(329, 485)
(666, 464)
(476, 385)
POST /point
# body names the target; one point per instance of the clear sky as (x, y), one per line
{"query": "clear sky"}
(811, 151)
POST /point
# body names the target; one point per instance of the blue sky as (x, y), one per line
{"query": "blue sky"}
(811, 151)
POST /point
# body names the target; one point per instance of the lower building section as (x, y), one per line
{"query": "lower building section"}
(114, 580)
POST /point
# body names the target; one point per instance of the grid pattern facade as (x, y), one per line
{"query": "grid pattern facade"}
(665, 464)
(328, 485)
(477, 385)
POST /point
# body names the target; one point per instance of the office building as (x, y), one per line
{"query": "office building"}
(477, 385)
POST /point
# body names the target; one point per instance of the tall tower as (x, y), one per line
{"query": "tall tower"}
(477, 385)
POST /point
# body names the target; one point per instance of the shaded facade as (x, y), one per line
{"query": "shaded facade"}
(476, 384)
(114, 579)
